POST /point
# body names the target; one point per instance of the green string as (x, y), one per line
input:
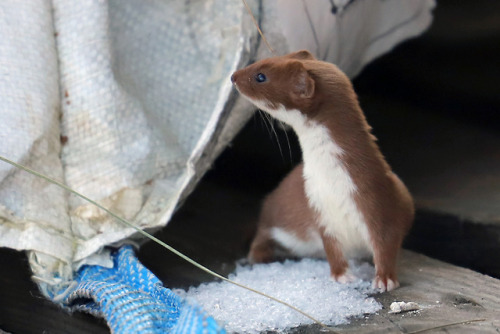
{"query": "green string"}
(158, 241)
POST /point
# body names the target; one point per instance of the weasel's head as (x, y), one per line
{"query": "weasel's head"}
(277, 84)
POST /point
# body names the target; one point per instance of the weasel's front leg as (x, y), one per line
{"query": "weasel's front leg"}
(385, 256)
(338, 264)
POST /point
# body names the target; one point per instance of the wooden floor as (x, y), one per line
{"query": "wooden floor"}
(216, 233)
(447, 294)
(214, 227)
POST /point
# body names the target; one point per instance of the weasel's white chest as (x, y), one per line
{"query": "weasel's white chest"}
(328, 185)
(330, 189)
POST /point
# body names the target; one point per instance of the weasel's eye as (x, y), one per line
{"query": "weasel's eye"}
(260, 77)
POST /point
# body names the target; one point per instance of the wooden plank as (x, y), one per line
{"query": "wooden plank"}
(214, 231)
(447, 294)
(214, 227)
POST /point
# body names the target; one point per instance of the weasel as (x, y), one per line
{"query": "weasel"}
(343, 201)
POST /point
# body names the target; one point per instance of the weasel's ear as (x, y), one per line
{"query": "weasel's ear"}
(301, 55)
(303, 84)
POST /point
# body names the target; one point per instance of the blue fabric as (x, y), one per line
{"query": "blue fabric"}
(133, 300)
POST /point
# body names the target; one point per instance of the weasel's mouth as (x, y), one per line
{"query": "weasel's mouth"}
(233, 81)
(237, 88)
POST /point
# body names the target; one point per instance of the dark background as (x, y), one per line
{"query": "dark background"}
(434, 105)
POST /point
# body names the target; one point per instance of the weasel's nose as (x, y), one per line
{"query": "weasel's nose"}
(233, 78)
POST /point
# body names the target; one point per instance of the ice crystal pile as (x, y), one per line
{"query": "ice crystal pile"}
(305, 284)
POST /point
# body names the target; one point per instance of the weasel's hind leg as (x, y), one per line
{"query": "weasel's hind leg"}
(262, 248)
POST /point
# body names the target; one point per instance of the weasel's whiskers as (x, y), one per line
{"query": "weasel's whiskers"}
(283, 127)
(264, 120)
(271, 124)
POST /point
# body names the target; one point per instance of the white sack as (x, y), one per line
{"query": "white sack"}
(129, 102)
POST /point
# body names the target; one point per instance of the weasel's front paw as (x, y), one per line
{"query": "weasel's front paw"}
(384, 284)
(345, 278)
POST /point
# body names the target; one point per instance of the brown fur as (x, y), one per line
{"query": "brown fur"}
(285, 207)
(325, 95)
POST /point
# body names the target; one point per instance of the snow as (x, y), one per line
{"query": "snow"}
(305, 284)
